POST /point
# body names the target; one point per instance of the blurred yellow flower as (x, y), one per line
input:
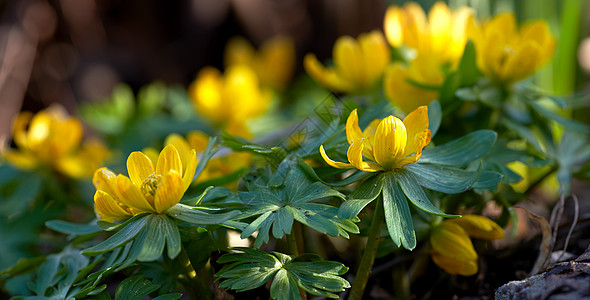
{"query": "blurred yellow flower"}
(507, 54)
(147, 189)
(423, 70)
(442, 35)
(274, 63)
(389, 143)
(52, 138)
(452, 249)
(358, 63)
(231, 99)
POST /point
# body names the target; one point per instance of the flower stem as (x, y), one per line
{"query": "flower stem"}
(292, 242)
(190, 279)
(368, 258)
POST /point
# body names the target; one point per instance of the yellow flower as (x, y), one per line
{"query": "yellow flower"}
(358, 64)
(389, 143)
(274, 63)
(230, 99)
(147, 189)
(442, 35)
(452, 249)
(506, 54)
(408, 96)
(52, 138)
(216, 167)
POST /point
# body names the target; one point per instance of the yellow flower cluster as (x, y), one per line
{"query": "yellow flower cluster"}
(434, 44)
(244, 91)
(51, 138)
(148, 189)
(389, 143)
(506, 54)
(452, 249)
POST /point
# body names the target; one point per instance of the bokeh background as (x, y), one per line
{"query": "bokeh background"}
(73, 51)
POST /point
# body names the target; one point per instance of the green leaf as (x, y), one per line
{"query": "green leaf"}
(487, 180)
(200, 217)
(118, 239)
(135, 288)
(468, 66)
(252, 268)
(462, 150)
(567, 123)
(443, 178)
(107, 226)
(450, 85)
(367, 191)
(397, 214)
(284, 286)
(409, 184)
(161, 230)
(205, 157)
(434, 117)
(72, 228)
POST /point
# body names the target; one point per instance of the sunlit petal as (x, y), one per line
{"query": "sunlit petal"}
(189, 172)
(327, 77)
(108, 209)
(355, 156)
(353, 131)
(105, 180)
(19, 129)
(420, 141)
(169, 192)
(390, 141)
(168, 160)
(348, 59)
(182, 145)
(139, 167)
(131, 195)
(394, 26)
(335, 164)
(522, 63)
(415, 122)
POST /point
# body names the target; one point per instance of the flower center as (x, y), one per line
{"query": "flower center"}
(151, 184)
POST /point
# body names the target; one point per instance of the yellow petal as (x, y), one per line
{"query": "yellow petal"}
(455, 266)
(348, 60)
(189, 172)
(168, 160)
(355, 156)
(458, 33)
(415, 122)
(182, 145)
(198, 140)
(108, 209)
(67, 135)
(169, 192)
(415, 28)
(439, 22)
(19, 128)
(479, 227)
(151, 153)
(238, 51)
(390, 141)
(21, 160)
(521, 64)
(375, 56)
(393, 26)
(275, 63)
(404, 94)
(139, 167)
(420, 141)
(131, 195)
(105, 180)
(326, 77)
(353, 131)
(450, 240)
(335, 164)
(206, 93)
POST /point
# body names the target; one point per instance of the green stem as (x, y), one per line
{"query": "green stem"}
(368, 258)
(190, 279)
(292, 242)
